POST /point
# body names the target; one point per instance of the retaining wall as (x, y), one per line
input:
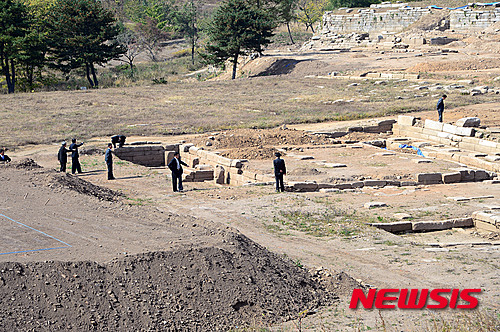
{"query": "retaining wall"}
(462, 147)
(149, 155)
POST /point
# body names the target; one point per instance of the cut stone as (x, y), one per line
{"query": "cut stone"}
(429, 178)
(443, 224)
(469, 122)
(371, 205)
(394, 227)
(452, 177)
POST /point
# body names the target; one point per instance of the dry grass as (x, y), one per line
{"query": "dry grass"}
(191, 107)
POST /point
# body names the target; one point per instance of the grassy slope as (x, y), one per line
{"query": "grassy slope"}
(198, 106)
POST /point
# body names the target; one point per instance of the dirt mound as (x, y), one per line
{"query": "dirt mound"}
(245, 138)
(26, 164)
(455, 65)
(81, 186)
(201, 289)
(250, 153)
(429, 22)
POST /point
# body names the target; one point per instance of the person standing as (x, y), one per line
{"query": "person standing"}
(175, 166)
(440, 107)
(62, 156)
(75, 157)
(3, 156)
(279, 171)
(108, 158)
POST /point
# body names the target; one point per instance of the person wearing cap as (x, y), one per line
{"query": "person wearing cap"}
(63, 157)
(279, 171)
(440, 108)
(75, 157)
(108, 158)
(3, 156)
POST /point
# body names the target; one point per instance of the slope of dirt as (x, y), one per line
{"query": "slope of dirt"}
(202, 289)
(57, 180)
(455, 65)
(245, 138)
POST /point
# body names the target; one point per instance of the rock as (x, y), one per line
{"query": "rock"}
(422, 161)
(394, 227)
(219, 175)
(374, 183)
(452, 177)
(333, 165)
(329, 190)
(442, 224)
(371, 205)
(429, 178)
(208, 143)
(469, 122)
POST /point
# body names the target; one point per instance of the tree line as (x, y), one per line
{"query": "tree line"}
(41, 37)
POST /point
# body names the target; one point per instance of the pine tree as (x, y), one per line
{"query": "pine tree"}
(237, 28)
(13, 29)
(82, 34)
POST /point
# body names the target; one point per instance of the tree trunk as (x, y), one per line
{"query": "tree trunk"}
(29, 74)
(13, 75)
(92, 69)
(289, 32)
(312, 29)
(87, 70)
(235, 64)
(192, 51)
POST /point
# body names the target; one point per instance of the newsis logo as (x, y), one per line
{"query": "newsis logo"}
(415, 298)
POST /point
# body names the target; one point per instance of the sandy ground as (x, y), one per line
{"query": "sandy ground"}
(364, 253)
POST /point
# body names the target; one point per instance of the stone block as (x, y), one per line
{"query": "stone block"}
(329, 190)
(422, 226)
(422, 161)
(394, 227)
(429, 178)
(333, 165)
(358, 184)
(493, 158)
(374, 183)
(469, 122)
(172, 147)
(169, 155)
(343, 186)
(326, 185)
(489, 217)
(185, 147)
(304, 186)
(408, 183)
(371, 205)
(480, 175)
(466, 175)
(486, 143)
(203, 167)
(454, 177)
(219, 175)
(434, 125)
(236, 163)
(402, 216)
(464, 131)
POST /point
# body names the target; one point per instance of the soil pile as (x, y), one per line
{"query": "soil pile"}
(26, 164)
(250, 153)
(201, 289)
(63, 181)
(305, 171)
(240, 138)
(486, 63)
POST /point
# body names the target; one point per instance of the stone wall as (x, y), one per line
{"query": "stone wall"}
(469, 19)
(367, 27)
(458, 143)
(371, 21)
(146, 155)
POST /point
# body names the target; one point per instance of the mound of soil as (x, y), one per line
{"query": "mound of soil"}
(245, 138)
(25, 164)
(92, 151)
(58, 180)
(455, 65)
(250, 153)
(203, 289)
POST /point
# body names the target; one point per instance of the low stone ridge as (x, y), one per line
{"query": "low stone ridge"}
(370, 205)
(442, 224)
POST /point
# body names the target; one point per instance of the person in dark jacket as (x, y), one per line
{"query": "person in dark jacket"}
(75, 156)
(279, 171)
(118, 139)
(62, 156)
(3, 156)
(108, 158)
(440, 107)
(175, 166)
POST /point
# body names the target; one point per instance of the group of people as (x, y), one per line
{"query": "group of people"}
(62, 156)
(76, 167)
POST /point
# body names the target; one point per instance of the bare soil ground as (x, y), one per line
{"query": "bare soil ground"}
(83, 253)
